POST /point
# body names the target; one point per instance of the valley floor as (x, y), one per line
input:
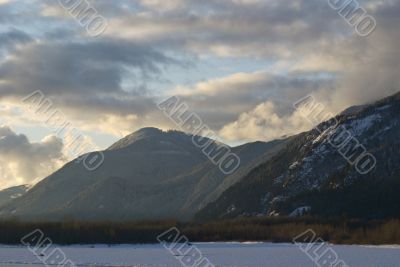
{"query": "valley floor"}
(220, 254)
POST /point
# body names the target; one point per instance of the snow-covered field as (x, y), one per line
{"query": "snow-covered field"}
(220, 254)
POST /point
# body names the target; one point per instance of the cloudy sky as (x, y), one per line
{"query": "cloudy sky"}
(239, 64)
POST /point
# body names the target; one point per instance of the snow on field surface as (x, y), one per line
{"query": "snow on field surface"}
(220, 254)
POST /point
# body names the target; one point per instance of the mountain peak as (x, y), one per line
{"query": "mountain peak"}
(156, 135)
(148, 131)
(136, 136)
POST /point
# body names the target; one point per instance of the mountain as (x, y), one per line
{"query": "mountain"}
(150, 174)
(9, 194)
(312, 175)
(345, 166)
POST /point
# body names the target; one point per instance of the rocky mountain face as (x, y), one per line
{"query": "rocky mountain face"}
(347, 166)
(150, 174)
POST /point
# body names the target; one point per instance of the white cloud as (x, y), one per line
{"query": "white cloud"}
(25, 162)
(221, 101)
(264, 123)
(163, 5)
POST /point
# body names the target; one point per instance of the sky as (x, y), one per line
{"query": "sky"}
(239, 64)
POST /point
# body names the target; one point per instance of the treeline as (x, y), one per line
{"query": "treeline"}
(340, 231)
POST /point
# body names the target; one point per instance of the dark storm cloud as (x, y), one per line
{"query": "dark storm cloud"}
(269, 29)
(13, 37)
(84, 75)
(93, 67)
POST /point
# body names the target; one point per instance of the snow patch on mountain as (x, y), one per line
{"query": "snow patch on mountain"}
(300, 211)
(360, 126)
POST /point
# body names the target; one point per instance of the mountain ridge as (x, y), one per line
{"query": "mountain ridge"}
(153, 174)
(309, 172)
(8, 194)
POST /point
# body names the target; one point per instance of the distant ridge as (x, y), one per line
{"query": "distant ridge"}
(149, 174)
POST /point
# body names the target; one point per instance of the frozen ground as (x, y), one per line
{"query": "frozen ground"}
(220, 254)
